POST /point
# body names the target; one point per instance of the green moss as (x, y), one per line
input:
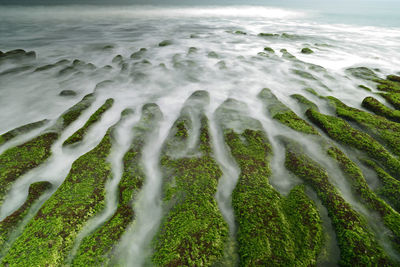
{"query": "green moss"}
(394, 78)
(359, 185)
(283, 114)
(342, 132)
(365, 88)
(388, 85)
(193, 232)
(305, 225)
(378, 108)
(78, 135)
(385, 130)
(269, 49)
(9, 224)
(95, 248)
(16, 161)
(307, 50)
(21, 130)
(393, 98)
(75, 111)
(49, 236)
(390, 189)
(305, 103)
(268, 225)
(358, 245)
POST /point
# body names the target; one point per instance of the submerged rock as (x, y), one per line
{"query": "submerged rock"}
(17, 54)
(117, 59)
(362, 73)
(212, 54)
(240, 32)
(268, 34)
(67, 93)
(138, 54)
(165, 43)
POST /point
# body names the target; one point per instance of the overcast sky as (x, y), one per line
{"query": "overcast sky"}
(188, 2)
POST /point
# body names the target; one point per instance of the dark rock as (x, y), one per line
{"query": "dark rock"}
(117, 59)
(67, 93)
(165, 43)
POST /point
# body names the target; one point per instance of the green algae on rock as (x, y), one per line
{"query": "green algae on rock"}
(272, 230)
(21, 130)
(96, 248)
(304, 102)
(282, 113)
(358, 246)
(386, 131)
(341, 131)
(49, 236)
(78, 135)
(75, 111)
(393, 98)
(16, 161)
(11, 222)
(359, 185)
(378, 108)
(193, 231)
(390, 189)
(269, 49)
(306, 50)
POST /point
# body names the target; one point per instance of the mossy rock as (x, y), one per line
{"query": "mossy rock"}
(240, 32)
(49, 236)
(341, 131)
(378, 108)
(363, 73)
(21, 130)
(67, 93)
(165, 43)
(96, 248)
(283, 114)
(307, 50)
(269, 49)
(384, 130)
(78, 135)
(18, 160)
(193, 231)
(393, 98)
(304, 102)
(11, 222)
(390, 189)
(262, 34)
(360, 187)
(139, 54)
(358, 245)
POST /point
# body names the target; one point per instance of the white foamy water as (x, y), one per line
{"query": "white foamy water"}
(224, 63)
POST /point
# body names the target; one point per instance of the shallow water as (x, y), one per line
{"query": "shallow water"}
(224, 63)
